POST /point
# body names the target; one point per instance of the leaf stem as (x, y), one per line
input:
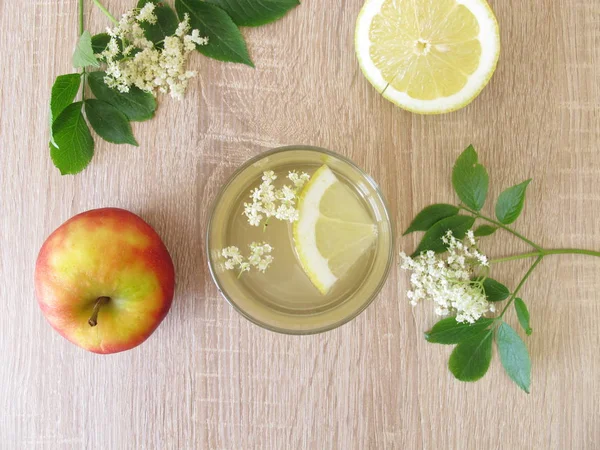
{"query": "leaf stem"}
(543, 252)
(571, 251)
(516, 257)
(83, 81)
(83, 71)
(501, 225)
(520, 285)
(105, 11)
(80, 17)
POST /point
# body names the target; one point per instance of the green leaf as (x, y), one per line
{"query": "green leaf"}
(514, 356)
(84, 53)
(470, 179)
(225, 42)
(64, 90)
(166, 22)
(73, 146)
(430, 215)
(523, 315)
(510, 203)
(484, 230)
(449, 331)
(136, 104)
(459, 225)
(494, 291)
(110, 123)
(253, 13)
(470, 359)
(99, 42)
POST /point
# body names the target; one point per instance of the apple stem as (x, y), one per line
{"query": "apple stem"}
(94, 319)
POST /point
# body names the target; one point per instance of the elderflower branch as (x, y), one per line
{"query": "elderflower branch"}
(133, 60)
(458, 287)
(501, 225)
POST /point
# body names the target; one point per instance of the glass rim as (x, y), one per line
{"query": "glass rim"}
(375, 292)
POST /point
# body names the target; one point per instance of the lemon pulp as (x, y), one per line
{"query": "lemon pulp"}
(333, 229)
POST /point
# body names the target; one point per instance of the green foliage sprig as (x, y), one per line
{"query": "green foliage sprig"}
(111, 112)
(444, 225)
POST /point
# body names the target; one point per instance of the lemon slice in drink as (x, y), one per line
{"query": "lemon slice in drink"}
(428, 56)
(333, 229)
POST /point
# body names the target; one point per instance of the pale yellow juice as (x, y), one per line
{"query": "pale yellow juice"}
(283, 298)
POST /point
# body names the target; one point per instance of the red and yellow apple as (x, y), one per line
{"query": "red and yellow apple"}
(105, 280)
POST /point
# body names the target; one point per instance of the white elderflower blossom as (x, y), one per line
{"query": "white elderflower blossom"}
(146, 14)
(269, 202)
(260, 258)
(298, 179)
(450, 280)
(244, 267)
(183, 27)
(232, 256)
(287, 213)
(269, 175)
(143, 65)
(196, 38)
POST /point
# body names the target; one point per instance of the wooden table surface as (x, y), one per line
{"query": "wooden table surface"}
(209, 379)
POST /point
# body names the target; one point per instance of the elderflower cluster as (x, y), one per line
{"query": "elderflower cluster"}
(450, 280)
(260, 258)
(269, 202)
(133, 60)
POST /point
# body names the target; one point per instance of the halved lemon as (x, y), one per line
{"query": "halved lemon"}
(333, 230)
(428, 56)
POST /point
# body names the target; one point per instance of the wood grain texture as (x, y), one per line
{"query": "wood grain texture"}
(208, 379)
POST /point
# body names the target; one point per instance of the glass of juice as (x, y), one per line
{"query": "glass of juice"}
(299, 240)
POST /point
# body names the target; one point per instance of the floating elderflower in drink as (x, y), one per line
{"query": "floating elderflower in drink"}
(300, 240)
